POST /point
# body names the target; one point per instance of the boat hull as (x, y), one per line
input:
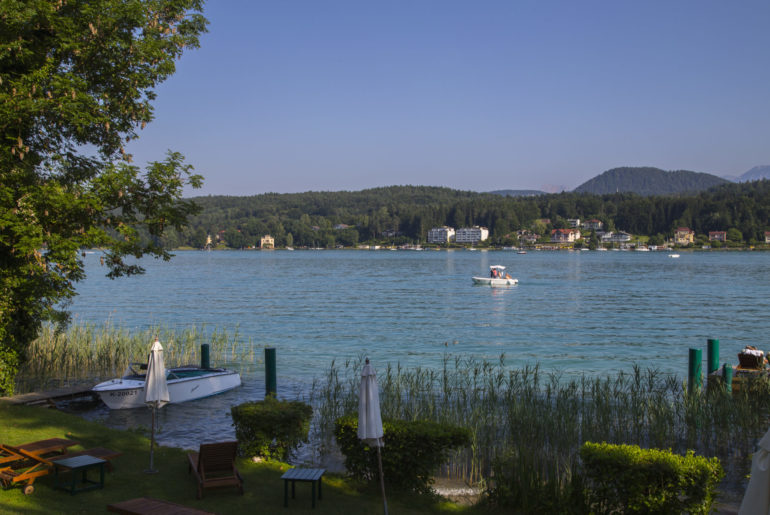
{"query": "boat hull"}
(129, 393)
(495, 281)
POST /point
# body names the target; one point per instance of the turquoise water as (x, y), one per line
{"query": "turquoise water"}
(572, 312)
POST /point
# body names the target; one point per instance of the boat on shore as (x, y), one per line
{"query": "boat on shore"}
(185, 383)
(497, 277)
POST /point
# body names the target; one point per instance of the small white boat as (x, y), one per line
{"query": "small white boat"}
(673, 255)
(184, 384)
(497, 277)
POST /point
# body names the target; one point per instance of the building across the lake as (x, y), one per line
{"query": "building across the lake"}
(684, 236)
(441, 234)
(267, 242)
(718, 236)
(565, 235)
(471, 235)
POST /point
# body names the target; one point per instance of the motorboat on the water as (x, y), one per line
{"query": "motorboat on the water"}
(497, 277)
(185, 383)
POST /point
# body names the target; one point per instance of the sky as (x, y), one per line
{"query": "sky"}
(326, 95)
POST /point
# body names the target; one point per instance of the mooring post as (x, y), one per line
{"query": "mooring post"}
(270, 379)
(205, 356)
(695, 380)
(712, 355)
(727, 375)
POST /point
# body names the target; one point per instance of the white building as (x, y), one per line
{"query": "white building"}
(441, 234)
(471, 235)
(616, 237)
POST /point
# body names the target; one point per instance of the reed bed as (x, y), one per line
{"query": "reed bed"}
(533, 422)
(92, 353)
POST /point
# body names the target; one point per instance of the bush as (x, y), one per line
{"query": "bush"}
(629, 479)
(271, 428)
(412, 453)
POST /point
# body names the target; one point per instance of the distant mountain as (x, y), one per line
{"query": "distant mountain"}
(517, 193)
(649, 181)
(756, 173)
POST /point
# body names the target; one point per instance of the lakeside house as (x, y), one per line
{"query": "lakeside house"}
(267, 242)
(441, 235)
(684, 236)
(593, 225)
(718, 236)
(527, 237)
(471, 235)
(565, 235)
(574, 223)
(616, 237)
(767, 236)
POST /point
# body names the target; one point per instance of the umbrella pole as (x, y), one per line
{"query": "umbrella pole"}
(382, 480)
(152, 470)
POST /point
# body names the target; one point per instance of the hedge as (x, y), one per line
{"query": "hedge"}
(629, 479)
(271, 428)
(412, 453)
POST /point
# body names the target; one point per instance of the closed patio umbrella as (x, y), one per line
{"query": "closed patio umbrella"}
(155, 390)
(757, 497)
(369, 418)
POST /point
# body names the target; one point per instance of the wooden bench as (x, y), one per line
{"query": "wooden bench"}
(97, 452)
(150, 506)
(300, 474)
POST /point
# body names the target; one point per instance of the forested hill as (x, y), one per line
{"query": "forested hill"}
(649, 181)
(404, 214)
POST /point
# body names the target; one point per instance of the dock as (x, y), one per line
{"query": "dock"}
(49, 397)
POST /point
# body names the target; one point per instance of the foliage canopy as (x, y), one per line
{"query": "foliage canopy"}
(77, 80)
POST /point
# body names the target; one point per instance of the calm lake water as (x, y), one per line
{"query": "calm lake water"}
(573, 312)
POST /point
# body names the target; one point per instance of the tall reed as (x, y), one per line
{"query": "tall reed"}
(90, 353)
(536, 421)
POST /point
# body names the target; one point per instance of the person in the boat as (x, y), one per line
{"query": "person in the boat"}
(494, 273)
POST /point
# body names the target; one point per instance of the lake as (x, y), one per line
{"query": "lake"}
(572, 312)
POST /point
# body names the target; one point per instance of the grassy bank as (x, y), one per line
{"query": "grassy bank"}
(262, 484)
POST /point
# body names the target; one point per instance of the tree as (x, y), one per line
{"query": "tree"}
(77, 80)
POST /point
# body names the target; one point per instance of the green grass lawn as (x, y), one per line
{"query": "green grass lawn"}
(262, 484)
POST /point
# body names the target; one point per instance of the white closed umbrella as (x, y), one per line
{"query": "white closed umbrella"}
(756, 500)
(369, 418)
(155, 390)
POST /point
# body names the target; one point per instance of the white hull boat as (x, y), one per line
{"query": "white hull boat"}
(497, 277)
(184, 384)
(490, 281)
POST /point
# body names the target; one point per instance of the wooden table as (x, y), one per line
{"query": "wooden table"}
(300, 474)
(150, 506)
(79, 464)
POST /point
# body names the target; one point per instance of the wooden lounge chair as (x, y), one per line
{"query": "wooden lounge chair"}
(26, 468)
(214, 466)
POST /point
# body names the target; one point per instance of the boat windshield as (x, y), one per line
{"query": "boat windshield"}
(135, 371)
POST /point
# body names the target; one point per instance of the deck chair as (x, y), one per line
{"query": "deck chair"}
(26, 468)
(214, 466)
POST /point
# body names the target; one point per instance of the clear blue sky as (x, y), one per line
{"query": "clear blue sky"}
(289, 95)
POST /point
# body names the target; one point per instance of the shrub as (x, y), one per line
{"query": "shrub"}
(629, 479)
(412, 453)
(271, 428)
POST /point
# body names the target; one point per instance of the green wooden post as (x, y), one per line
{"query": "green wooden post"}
(270, 379)
(205, 356)
(712, 355)
(695, 381)
(727, 375)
